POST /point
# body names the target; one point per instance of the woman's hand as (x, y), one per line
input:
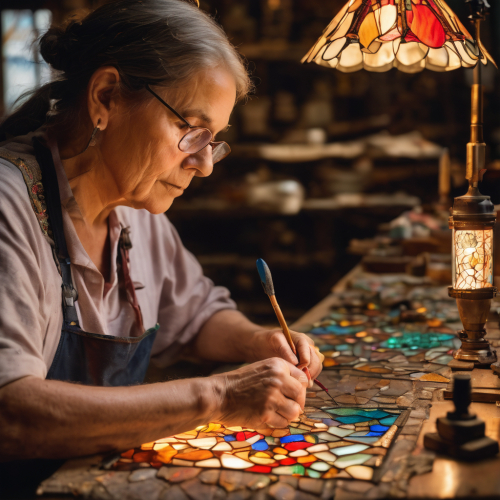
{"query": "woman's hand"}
(270, 343)
(268, 393)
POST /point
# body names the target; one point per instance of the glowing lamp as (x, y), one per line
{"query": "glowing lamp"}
(411, 35)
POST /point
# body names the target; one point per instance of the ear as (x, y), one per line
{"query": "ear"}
(102, 94)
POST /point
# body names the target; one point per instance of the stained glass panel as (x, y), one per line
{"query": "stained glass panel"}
(325, 442)
(473, 259)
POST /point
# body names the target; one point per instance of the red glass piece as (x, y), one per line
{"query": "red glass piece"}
(307, 465)
(288, 461)
(240, 436)
(260, 468)
(427, 27)
(299, 445)
(248, 435)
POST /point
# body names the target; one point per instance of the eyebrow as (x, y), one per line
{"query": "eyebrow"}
(197, 113)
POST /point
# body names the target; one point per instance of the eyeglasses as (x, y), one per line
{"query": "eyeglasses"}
(197, 138)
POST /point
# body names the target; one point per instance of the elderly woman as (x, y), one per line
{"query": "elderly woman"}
(94, 281)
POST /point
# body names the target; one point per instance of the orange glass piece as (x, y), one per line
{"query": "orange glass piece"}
(411, 35)
(195, 456)
(128, 454)
(165, 455)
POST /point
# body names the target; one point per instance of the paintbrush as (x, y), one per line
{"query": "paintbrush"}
(267, 283)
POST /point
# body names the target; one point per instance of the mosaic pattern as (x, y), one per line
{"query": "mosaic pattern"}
(473, 259)
(324, 443)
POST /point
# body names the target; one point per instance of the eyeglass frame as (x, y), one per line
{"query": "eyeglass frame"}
(192, 127)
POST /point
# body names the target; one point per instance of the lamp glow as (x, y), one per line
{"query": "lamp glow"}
(409, 35)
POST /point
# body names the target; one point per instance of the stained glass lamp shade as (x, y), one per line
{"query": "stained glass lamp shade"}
(409, 35)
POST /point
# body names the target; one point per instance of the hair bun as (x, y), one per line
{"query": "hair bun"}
(57, 47)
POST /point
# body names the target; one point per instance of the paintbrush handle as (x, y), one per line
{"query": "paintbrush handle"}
(282, 322)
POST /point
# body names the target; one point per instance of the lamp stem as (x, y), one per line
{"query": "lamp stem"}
(476, 148)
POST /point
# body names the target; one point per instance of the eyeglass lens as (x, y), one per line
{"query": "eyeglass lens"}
(197, 139)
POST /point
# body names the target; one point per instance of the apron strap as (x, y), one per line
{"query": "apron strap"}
(53, 201)
(124, 269)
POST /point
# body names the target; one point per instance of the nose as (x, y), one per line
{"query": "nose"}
(200, 161)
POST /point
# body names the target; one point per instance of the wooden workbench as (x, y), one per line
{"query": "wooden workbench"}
(410, 471)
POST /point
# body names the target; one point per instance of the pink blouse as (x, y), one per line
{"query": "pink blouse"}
(171, 287)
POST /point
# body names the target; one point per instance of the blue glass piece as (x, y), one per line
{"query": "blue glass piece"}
(388, 420)
(367, 414)
(292, 439)
(319, 331)
(326, 347)
(260, 445)
(343, 347)
(351, 420)
(229, 438)
(395, 313)
(379, 428)
(373, 434)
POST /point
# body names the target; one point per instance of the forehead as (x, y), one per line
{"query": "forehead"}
(210, 96)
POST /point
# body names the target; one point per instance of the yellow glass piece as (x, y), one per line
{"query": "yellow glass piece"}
(361, 334)
(368, 30)
(147, 446)
(280, 451)
(422, 310)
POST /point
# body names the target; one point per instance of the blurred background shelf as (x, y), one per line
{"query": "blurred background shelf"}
(319, 157)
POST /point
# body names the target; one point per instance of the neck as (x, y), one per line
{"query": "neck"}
(93, 187)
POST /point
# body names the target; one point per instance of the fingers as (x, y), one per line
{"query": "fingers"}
(316, 364)
(303, 351)
(280, 347)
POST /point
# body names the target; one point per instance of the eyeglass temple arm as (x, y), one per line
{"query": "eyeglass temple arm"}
(169, 107)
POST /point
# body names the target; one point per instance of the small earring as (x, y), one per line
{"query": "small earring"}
(96, 130)
(92, 141)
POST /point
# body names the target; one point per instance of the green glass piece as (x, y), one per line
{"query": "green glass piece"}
(313, 473)
(294, 430)
(348, 460)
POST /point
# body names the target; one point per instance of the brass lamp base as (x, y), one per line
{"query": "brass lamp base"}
(477, 351)
(473, 308)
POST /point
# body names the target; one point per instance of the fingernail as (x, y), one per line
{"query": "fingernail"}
(303, 379)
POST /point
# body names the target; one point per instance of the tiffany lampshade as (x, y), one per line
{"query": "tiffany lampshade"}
(409, 35)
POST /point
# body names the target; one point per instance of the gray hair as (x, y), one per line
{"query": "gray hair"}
(156, 42)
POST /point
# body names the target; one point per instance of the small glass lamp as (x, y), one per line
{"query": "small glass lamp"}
(409, 35)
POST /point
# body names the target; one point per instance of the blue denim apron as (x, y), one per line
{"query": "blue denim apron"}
(81, 357)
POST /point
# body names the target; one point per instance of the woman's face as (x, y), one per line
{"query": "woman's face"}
(139, 147)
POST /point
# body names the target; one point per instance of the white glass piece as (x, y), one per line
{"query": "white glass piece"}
(222, 446)
(327, 456)
(327, 436)
(386, 18)
(437, 59)
(360, 472)
(348, 460)
(203, 443)
(411, 53)
(209, 462)
(278, 457)
(318, 447)
(320, 466)
(254, 439)
(467, 60)
(384, 57)
(178, 446)
(333, 50)
(233, 462)
(472, 259)
(454, 61)
(348, 450)
(337, 431)
(351, 56)
(302, 453)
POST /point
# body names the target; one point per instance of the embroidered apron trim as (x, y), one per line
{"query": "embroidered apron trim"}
(32, 176)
